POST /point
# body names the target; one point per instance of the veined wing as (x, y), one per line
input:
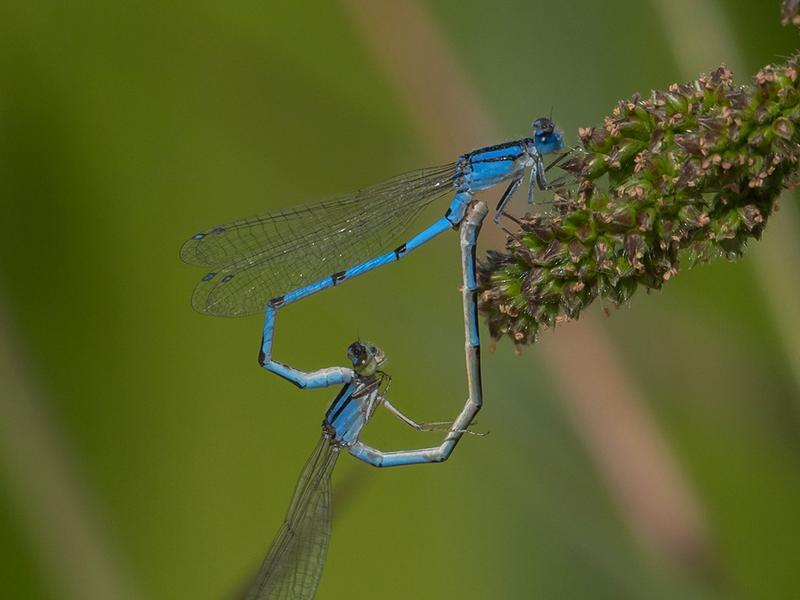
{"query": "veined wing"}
(293, 565)
(254, 260)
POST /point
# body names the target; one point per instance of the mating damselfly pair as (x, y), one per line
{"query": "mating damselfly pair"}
(270, 261)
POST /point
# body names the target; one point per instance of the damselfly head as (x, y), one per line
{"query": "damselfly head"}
(546, 136)
(365, 357)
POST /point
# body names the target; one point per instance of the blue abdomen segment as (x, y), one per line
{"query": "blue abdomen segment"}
(485, 168)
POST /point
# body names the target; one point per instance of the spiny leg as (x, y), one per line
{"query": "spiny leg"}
(505, 198)
(559, 159)
(559, 181)
(537, 179)
(425, 425)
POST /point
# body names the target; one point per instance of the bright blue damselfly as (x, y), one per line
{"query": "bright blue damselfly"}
(289, 254)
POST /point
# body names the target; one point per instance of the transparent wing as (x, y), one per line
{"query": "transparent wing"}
(293, 565)
(254, 260)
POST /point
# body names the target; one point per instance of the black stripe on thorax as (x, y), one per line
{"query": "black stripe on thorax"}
(507, 157)
(499, 146)
(344, 404)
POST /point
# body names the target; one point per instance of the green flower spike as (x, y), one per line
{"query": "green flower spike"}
(686, 175)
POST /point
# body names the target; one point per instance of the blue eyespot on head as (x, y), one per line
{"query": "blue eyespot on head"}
(546, 137)
(208, 277)
(227, 278)
(218, 230)
(198, 236)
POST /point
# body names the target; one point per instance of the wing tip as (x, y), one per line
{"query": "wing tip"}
(191, 250)
(188, 252)
(203, 300)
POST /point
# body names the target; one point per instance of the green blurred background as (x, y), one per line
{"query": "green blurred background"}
(143, 453)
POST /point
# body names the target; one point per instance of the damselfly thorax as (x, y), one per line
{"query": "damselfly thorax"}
(353, 408)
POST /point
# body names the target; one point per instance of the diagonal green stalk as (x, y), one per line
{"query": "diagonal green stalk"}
(687, 175)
